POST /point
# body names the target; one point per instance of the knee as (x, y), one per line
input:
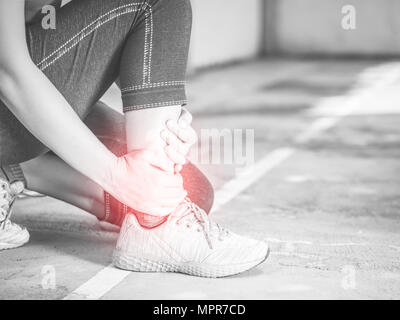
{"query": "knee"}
(184, 8)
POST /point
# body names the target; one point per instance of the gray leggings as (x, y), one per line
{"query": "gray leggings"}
(141, 43)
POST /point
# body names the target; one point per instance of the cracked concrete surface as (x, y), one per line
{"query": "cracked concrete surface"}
(330, 212)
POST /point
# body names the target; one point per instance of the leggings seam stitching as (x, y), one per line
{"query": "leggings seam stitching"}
(148, 45)
(98, 22)
(154, 105)
(153, 85)
(107, 207)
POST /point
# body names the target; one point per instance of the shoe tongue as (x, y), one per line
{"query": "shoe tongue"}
(198, 214)
(184, 211)
(10, 191)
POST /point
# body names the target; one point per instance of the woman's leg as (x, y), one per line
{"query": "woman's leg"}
(145, 43)
(51, 176)
(153, 91)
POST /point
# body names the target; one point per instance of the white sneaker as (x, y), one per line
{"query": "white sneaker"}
(188, 242)
(11, 234)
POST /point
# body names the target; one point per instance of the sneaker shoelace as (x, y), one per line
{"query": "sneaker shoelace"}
(191, 214)
(8, 195)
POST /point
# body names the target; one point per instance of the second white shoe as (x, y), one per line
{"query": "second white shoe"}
(187, 243)
(11, 235)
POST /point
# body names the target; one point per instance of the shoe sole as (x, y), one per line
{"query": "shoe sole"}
(24, 239)
(135, 264)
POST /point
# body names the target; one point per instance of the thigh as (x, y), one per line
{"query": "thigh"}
(81, 58)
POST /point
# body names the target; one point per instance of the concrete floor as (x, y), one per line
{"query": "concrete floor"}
(330, 211)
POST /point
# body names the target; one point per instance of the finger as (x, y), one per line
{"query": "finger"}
(157, 205)
(159, 160)
(163, 205)
(189, 136)
(175, 156)
(173, 141)
(185, 120)
(173, 127)
(178, 168)
(186, 135)
(170, 138)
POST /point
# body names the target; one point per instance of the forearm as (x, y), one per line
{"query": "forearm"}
(42, 109)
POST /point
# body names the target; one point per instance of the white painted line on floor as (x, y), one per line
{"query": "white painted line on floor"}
(302, 242)
(345, 244)
(110, 277)
(295, 254)
(299, 178)
(99, 285)
(317, 127)
(254, 173)
(310, 243)
(291, 288)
